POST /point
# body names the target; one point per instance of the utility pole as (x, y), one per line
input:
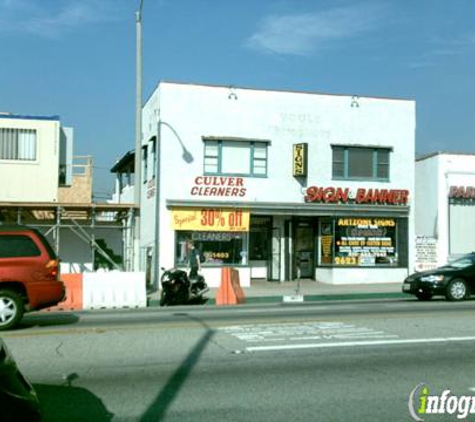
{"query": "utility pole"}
(138, 134)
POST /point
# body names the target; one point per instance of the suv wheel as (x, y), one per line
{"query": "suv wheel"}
(11, 309)
(457, 290)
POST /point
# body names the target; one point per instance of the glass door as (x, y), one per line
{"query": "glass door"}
(273, 269)
(304, 250)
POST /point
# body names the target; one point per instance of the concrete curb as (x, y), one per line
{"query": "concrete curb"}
(307, 298)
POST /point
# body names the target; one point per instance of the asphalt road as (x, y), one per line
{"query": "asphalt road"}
(332, 361)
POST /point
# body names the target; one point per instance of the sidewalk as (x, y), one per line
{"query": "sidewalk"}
(274, 291)
(311, 290)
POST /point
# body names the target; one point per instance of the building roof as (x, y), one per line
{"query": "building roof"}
(234, 87)
(6, 115)
(127, 162)
(436, 153)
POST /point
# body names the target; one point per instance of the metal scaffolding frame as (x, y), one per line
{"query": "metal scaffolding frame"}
(50, 218)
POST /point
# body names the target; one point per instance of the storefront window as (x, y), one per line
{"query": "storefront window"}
(259, 238)
(363, 242)
(218, 248)
(326, 241)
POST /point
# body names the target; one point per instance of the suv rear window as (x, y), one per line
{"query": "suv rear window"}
(14, 246)
(46, 244)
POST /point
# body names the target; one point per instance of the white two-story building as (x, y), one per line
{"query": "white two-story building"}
(445, 215)
(278, 184)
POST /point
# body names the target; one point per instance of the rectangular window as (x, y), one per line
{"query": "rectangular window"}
(360, 163)
(382, 161)
(15, 246)
(218, 248)
(363, 242)
(17, 144)
(154, 156)
(212, 157)
(259, 159)
(260, 235)
(144, 163)
(237, 158)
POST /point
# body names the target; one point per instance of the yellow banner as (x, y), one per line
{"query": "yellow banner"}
(210, 219)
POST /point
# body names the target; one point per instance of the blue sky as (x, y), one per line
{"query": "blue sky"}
(76, 59)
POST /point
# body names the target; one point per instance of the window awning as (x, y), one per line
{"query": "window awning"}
(234, 139)
(297, 209)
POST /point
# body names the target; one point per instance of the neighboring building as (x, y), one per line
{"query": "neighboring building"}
(124, 194)
(445, 207)
(45, 186)
(278, 184)
(124, 179)
(30, 157)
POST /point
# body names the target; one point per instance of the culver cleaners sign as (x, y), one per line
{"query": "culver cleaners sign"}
(333, 195)
(218, 186)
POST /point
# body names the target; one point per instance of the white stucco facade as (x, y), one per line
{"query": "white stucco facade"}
(445, 203)
(179, 120)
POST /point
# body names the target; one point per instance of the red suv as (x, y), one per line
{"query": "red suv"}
(29, 274)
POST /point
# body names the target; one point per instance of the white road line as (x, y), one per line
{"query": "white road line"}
(306, 338)
(357, 343)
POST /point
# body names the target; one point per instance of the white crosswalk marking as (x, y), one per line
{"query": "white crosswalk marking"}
(290, 332)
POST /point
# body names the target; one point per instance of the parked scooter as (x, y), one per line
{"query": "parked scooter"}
(178, 289)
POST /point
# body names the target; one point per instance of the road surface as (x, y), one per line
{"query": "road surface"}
(328, 361)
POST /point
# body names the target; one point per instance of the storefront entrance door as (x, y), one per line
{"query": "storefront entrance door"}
(273, 270)
(304, 250)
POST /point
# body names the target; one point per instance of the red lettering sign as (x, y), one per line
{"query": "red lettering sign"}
(363, 196)
(462, 192)
(327, 195)
(218, 186)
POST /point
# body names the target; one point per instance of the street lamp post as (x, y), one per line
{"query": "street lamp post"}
(138, 132)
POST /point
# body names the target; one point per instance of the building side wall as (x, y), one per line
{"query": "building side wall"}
(456, 170)
(434, 177)
(151, 188)
(427, 197)
(80, 191)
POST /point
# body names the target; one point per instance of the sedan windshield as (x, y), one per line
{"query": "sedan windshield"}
(463, 262)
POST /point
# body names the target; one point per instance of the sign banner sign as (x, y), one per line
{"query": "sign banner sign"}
(334, 195)
(300, 160)
(210, 219)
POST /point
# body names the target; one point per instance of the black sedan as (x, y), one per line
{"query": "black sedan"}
(18, 400)
(455, 281)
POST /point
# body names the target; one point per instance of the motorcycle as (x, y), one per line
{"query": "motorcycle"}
(178, 289)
